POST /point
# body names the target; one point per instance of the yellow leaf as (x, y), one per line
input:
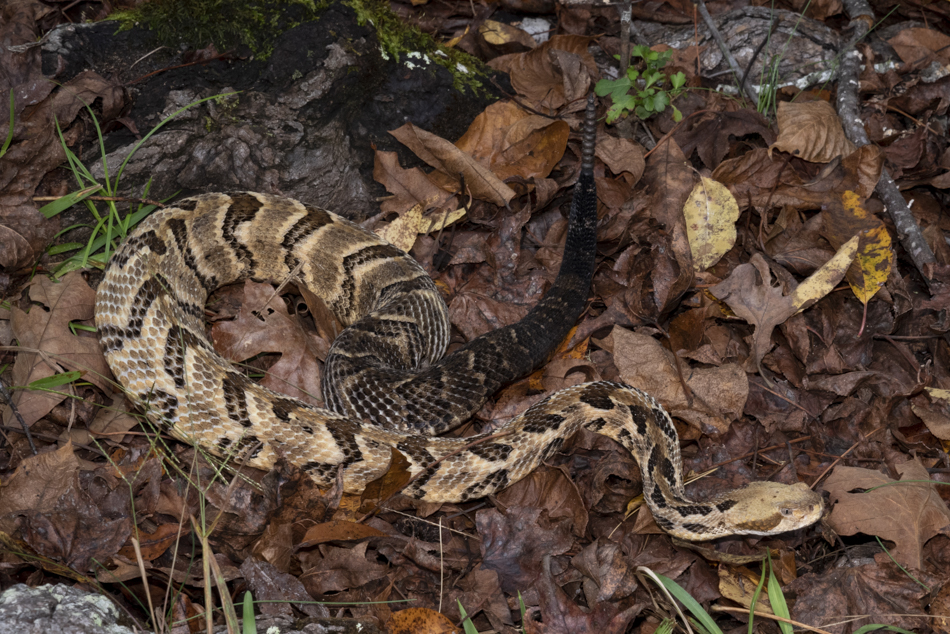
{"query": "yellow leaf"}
(403, 230)
(872, 266)
(499, 33)
(824, 280)
(711, 213)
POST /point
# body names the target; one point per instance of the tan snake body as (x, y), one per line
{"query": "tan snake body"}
(386, 383)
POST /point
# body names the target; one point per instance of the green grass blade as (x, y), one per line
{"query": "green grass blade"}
(6, 144)
(874, 627)
(247, 615)
(51, 209)
(690, 604)
(777, 600)
(467, 624)
(57, 380)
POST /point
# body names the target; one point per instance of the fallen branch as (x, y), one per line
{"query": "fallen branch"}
(908, 231)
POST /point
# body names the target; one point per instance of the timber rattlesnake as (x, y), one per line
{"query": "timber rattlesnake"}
(386, 381)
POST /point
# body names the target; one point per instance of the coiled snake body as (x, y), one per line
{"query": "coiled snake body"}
(386, 382)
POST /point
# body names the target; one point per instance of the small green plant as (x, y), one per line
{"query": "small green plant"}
(645, 91)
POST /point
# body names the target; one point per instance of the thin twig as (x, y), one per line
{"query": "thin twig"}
(6, 396)
(726, 53)
(848, 106)
(114, 199)
(842, 456)
(766, 615)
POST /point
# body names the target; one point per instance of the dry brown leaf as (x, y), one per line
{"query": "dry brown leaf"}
(562, 616)
(918, 47)
(621, 155)
(513, 544)
(39, 482)
(906, 513)
(153, 545)
(718, 394)
(388, 484)
(452, 162)
(607, 565)
(550, 489)
(46, 328)
(749, 293)
(338, 530)
(298, 371)
(555, 74)
(411, 187)
(36, 149)
(934, 410)
(670, 182)
(862, 170)
(811, 131)
(341, 569)
(738, 583)
(277, 591)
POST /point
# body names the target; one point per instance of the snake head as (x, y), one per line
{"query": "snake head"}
(769, 508)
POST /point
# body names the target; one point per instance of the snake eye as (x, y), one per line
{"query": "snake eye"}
(787, 512)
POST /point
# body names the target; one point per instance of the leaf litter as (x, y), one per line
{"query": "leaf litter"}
(739, 325)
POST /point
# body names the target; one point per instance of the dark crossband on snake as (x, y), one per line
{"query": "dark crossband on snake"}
(387, 381)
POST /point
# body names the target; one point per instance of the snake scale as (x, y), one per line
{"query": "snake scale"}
(386, 383)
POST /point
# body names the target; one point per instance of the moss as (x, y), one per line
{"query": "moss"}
(258, 24)
(224, 23)
(399, 40)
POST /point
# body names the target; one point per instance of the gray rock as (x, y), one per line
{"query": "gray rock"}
(59, 609)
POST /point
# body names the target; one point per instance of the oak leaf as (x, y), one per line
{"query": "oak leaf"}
(908, 512)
